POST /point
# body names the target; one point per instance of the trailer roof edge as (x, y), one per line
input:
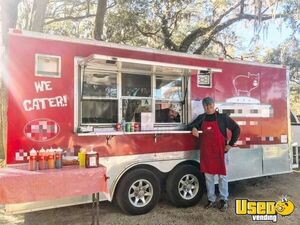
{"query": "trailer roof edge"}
(39, 35)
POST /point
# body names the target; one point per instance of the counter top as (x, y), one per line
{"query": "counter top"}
(118, 133)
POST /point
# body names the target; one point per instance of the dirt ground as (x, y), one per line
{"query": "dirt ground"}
(265, 188)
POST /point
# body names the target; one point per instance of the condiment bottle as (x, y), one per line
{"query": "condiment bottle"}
(136, 127)
(58, 158)
(91, 159)
(42, 159)
(46, 157)
(118, 126)
(51, 161)
(32, 160)
(81, 157)
(132, 127)
(128, 127)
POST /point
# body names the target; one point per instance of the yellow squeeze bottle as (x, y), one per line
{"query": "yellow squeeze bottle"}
(81, 158)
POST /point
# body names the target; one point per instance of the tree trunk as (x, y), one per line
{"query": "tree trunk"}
(9, 16)
(39, 7)
(3, 110)
(99, 20)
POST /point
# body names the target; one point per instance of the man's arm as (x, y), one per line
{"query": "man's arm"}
(196, 123)
(234, 128)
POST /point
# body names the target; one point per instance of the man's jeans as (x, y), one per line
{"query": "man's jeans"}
(223, 184)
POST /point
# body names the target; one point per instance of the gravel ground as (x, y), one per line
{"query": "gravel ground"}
(265, 188)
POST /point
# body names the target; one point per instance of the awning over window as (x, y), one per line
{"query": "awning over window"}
(96, 61)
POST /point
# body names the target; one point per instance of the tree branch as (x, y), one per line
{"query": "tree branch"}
(189, 39)
(242, 7)
(147, 34)
(295, 81)
(111, 5)
(229, 23)
(217, 26)
(176, 16)
(203, 46)
(167, 36)
(75, 18)
(223, 48)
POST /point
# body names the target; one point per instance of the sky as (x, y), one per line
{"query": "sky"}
(270, 38)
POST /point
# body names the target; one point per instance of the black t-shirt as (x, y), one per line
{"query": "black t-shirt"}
(210, 117)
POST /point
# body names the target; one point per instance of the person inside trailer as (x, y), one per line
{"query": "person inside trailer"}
(168, 115)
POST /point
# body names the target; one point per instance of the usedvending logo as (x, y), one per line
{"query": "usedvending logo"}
(264, 210)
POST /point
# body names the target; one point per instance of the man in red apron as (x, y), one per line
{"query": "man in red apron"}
(213, 149)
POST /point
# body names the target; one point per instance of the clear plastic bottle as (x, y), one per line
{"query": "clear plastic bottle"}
(123, 125)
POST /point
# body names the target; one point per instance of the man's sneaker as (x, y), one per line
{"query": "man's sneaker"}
(223, 206)
(210, 205)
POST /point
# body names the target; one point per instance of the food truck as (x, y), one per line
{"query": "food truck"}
(131, 105)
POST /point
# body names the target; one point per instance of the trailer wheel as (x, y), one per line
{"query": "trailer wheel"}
(185, 186)
(138, 192)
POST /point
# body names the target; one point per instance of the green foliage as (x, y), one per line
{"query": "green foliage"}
(288, 54)
(194, 26)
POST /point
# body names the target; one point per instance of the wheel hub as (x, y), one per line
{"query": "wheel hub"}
(140, 193)
(188, 186)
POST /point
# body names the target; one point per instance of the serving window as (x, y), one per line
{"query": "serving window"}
(168, 99)
(113, 90)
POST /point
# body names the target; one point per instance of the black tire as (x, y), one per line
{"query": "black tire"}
(175, 190)
(128, 182)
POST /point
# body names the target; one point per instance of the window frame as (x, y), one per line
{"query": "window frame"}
(100, 97)
(210, 79)
(48, 56)
(125, 97)
(185, 84)
(169, 78)
(94, 98)
(104, 125)
(182, 116)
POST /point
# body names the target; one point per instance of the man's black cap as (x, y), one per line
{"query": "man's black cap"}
(207, 101)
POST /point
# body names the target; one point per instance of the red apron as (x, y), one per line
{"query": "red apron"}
(212, 149)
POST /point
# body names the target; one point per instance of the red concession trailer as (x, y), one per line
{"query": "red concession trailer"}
(72, 93)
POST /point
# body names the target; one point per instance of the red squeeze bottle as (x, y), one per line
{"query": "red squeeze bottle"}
(118, 126)
(51, 160)
(136, 127)
(42, 159)
(32, 160)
